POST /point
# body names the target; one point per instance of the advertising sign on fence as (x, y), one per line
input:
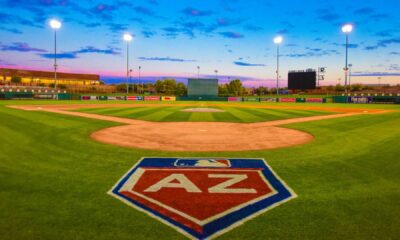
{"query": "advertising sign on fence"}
(360, 99)
(116, 98)
(168, 99)
(287, 99)
(251, 99)
(235, 99)
(43, 96)
(134, 98)
(152, 98)
(315, 100)
(268, 99)
(89, 97)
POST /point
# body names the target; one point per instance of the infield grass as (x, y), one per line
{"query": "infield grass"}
(54, 179)
(229, 114)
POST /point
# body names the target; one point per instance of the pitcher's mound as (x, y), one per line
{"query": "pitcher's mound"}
(204, 110)
(201, 137)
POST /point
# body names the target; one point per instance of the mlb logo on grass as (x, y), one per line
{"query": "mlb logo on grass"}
(202, 197)
(202, 163)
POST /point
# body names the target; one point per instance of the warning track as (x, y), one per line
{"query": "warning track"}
(200, 136)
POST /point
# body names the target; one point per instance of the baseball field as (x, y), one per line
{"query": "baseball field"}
(59, 159)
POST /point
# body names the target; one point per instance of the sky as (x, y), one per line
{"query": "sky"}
(235, 37)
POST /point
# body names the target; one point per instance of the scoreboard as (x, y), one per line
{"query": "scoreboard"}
(202, 87)
(302, 80)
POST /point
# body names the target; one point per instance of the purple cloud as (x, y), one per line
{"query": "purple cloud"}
(374, 74)
(85, 50)
(148, 33)
(165, 59)
(233, 35)
(383, 43)
(364, 11)
(20, 47)
(90, 49)
(253, 28)
(189, 11)
(143, 10)
(66, 55)
(245, 64)
(11, 30)
(328, 15)
(226, 22)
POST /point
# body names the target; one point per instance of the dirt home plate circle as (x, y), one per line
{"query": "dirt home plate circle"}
(202, 197)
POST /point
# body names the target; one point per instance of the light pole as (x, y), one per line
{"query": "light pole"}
(350, 66)
(216, 73)
(130, 79)
(277, 40)
(140, 78)
(127, 38)
(55, 25)
(347, 29)
(198, 72)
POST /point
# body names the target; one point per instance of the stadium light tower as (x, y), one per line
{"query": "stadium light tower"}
(277, 40)
(55, 25)
(127, 38)
(130, 76)
(350, 66)
(347, 29)
(140, 79)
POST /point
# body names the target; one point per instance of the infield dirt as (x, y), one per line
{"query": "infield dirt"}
(200, 136)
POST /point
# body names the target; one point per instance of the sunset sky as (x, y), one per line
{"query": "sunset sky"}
(172, 38)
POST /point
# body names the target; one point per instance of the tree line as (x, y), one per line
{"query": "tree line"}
(233, 88)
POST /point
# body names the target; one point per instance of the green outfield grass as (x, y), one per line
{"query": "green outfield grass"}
(230, 114)
(54, 179)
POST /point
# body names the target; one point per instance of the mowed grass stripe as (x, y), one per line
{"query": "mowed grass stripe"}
(124, 112)
(201, 117)
(160, 114)
(177, 117)
(104, 111)
(267, 115)
(142, 113)
(118, 111)
(121, 112)
(245, 116)
(290, 113)
(226, 117)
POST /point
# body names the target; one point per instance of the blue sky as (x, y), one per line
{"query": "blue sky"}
(172, 38)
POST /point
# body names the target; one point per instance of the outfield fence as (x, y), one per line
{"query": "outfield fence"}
(354, 99)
